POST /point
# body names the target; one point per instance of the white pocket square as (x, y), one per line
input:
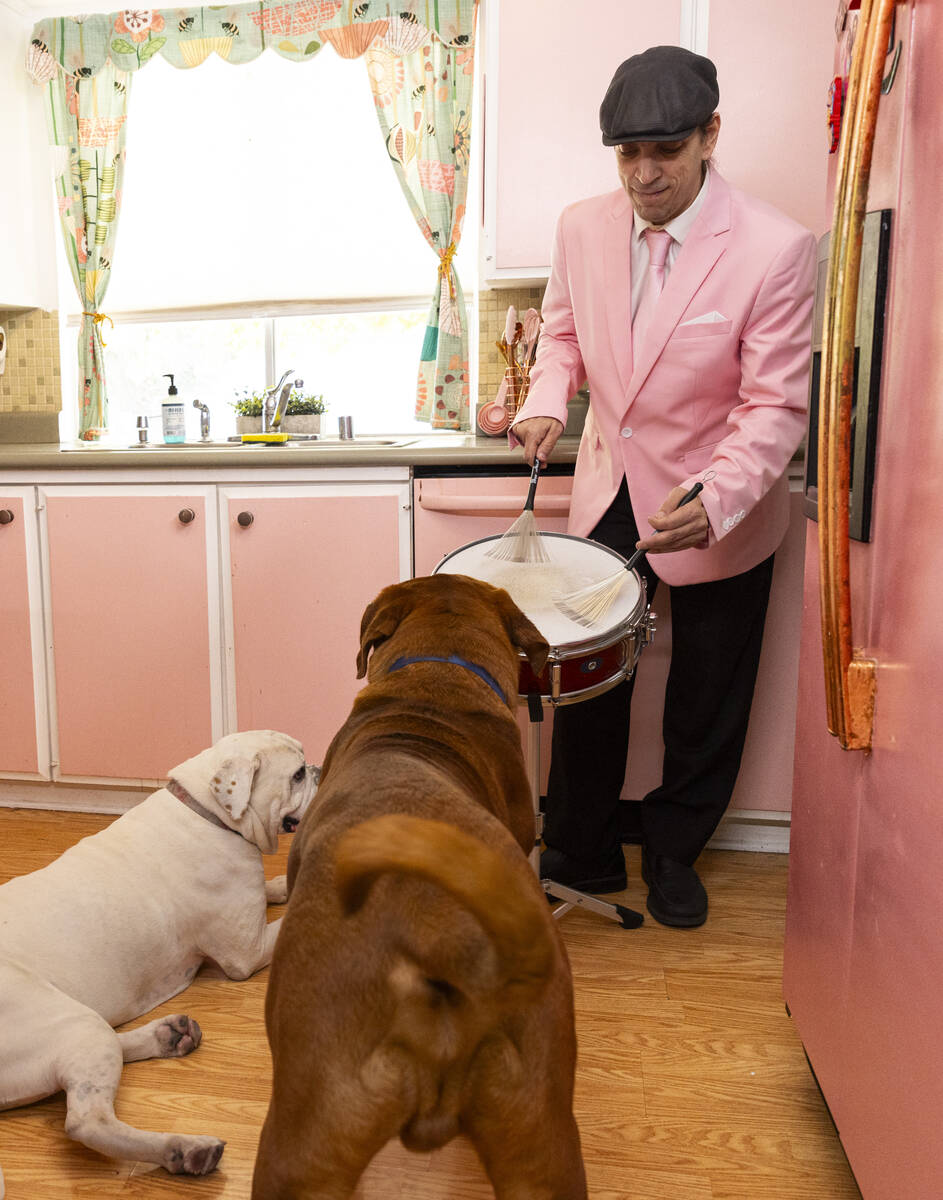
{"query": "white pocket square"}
(710, 318)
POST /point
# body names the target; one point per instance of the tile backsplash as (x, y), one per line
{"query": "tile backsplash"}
(30, 383)
(492, 314)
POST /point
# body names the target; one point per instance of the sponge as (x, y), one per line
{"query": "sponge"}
(275, 438)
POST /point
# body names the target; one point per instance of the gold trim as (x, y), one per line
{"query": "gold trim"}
(850, 679)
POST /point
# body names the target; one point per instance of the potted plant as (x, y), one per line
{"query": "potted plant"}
(302, 414)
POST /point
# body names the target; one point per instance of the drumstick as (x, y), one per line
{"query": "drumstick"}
(590, 603)
(522, 543)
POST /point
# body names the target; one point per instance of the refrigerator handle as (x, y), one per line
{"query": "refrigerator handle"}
(850, 678)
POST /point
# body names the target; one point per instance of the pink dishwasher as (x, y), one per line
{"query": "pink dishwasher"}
(455, 506)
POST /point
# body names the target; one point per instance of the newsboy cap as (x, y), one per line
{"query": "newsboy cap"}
(661, 95)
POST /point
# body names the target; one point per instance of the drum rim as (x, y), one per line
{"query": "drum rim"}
(602, 641)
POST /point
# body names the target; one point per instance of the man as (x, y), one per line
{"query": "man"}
(686, 306)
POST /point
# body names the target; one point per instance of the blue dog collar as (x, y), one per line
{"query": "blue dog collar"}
(461, 662)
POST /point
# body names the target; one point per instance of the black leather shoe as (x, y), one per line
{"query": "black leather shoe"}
(676, 895)
(584, 875)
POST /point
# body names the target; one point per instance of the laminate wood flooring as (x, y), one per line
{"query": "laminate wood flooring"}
(691, 1084)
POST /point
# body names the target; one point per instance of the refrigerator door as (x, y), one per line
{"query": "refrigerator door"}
(863, 970)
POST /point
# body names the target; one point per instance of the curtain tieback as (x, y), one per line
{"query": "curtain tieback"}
(97, 318)
(445, 266)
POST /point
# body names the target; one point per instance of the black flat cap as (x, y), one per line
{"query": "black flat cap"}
(661, 95)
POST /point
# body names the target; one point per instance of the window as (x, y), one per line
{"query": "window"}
(262, 228)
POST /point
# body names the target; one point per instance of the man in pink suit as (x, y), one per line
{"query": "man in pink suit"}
(686, 306)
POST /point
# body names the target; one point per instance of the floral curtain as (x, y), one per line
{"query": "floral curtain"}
(423, 94)
(86, 117)
(85, 64)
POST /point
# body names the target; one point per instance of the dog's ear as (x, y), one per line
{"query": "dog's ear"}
(379, 622)
(523, 633)
(231, 784)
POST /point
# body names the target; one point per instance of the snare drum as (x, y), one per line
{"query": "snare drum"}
(579, 666)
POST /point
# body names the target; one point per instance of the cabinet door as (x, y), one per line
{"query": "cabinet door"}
(133, 611)
(547, 66)
(24, 730)
(764, 784)
(301, 563)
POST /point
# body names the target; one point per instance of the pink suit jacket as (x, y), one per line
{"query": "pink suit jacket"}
(721, 400)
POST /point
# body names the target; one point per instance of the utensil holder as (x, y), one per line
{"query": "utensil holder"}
(512, 398)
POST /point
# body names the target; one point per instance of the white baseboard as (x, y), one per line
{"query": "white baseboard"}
(57, 797)
(758, 830)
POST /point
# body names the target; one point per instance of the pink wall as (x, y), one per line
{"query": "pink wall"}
(774, 64)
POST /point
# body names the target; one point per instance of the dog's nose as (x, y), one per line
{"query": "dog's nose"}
(289, 824)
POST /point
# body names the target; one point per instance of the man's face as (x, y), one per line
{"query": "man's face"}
(663, 178)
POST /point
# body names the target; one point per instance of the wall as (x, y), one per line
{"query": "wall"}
(27, 210)
(29, 388)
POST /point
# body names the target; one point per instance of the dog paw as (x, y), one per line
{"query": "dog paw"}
(276, 890)
(193, 1155)
(177, 1035)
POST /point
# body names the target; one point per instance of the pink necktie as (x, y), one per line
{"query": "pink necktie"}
(658, 242)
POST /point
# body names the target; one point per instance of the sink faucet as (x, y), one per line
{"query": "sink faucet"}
(204, 420)
(274, 409)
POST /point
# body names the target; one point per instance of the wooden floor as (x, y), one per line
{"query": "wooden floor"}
(691, 1084)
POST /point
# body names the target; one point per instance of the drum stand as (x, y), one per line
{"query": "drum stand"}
(628, 918)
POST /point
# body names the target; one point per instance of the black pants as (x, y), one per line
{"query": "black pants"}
(717, 634)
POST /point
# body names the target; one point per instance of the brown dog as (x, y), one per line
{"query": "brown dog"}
(419, 987)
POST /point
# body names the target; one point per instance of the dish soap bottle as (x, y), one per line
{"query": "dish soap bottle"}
(171, 415)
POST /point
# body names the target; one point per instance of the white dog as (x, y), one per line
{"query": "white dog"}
(122, 921)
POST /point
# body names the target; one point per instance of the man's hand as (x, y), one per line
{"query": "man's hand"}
(538, 436)
(676, 528)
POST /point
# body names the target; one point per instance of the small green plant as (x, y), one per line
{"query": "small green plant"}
(249, 404)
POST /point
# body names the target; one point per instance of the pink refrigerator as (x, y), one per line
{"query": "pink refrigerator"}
(863, 968)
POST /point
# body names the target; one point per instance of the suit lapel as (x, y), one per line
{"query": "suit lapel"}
(702, 248)
(618, 285)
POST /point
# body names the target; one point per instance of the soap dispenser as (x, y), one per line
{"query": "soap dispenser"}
(171, 415)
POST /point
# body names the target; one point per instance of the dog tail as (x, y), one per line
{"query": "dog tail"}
(515, 916)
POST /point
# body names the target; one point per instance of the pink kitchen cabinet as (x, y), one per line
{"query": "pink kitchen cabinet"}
(300, 565)
(24, 739)
(132, 625)
(547, 64)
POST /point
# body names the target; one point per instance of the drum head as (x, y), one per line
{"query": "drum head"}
(574, 563)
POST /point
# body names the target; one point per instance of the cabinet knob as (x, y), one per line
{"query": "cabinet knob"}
(245, 519)
(186, 515)
(6, 516)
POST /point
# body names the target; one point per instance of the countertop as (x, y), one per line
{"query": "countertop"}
(444, 449)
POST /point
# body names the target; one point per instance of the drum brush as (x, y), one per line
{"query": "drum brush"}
(522, 543)
(590, 603)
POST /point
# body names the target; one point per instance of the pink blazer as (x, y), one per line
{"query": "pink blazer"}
(721, 400)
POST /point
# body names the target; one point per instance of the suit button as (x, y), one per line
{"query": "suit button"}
(627, 432)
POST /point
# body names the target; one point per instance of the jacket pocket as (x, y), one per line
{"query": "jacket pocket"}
(702, 329)
(699, 458)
